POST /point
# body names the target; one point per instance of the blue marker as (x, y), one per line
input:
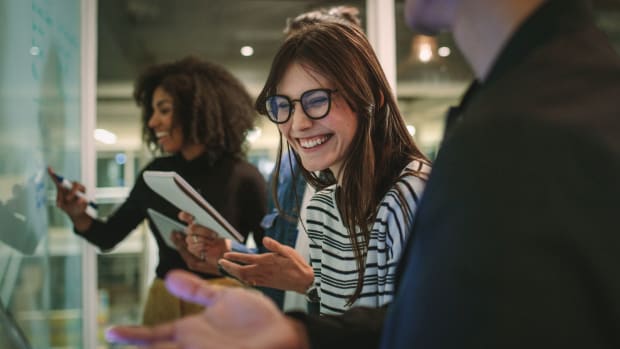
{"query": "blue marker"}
(91, 209)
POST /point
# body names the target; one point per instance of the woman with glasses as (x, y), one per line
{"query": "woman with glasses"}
(332, 103)
(290, 195)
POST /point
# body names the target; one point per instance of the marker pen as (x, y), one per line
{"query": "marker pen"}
(91, 209)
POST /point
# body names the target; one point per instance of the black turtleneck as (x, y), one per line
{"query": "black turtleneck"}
(232, 186)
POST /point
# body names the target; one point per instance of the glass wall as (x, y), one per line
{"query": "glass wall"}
(40, 259)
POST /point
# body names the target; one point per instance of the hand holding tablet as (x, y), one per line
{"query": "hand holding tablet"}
(166, 226)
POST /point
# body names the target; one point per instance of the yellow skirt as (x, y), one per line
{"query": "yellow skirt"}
(161, 306)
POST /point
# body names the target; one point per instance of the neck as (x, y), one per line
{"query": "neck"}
(192, 151)
(336, 172)
(482, 37)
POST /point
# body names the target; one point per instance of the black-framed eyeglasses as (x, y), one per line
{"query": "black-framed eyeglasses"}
(315, 104)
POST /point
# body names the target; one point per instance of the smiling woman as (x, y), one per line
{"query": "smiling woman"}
(349, 127)
(320, 141)
(197, 114)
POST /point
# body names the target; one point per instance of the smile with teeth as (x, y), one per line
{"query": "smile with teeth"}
(161, 134)
(308, 143)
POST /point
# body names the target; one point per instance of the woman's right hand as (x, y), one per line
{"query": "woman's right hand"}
(282, 268)
(202, 242)
(73, 205)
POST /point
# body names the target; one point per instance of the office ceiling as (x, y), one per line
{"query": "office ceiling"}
(136, 33)
(133, 34)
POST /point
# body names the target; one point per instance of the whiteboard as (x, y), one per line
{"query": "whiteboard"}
(40, 100)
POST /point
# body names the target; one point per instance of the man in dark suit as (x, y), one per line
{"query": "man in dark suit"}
(517, 239)
(517, 242)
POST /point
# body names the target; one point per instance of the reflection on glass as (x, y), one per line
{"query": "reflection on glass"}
(40, 283)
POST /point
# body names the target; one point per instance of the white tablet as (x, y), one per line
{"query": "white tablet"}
(166, 226)
(172, 187)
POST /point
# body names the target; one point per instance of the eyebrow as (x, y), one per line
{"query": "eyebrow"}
(310, 89)
(163, 101)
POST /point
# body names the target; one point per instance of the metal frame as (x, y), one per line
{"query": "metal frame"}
(88, 70)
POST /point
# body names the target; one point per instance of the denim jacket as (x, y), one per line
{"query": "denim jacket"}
(282, 225)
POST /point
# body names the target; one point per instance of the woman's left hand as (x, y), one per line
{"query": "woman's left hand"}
(282, 268)
(207, 266)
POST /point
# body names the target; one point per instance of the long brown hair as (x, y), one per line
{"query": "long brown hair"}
(211, 106)
(381, 147)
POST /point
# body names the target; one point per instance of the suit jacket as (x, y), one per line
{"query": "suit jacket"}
(517, 238)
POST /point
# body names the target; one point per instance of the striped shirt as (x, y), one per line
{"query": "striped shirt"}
(331, 250)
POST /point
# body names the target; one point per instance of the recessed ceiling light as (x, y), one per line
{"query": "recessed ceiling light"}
(444, 51)
(105, 136)
(247, 51)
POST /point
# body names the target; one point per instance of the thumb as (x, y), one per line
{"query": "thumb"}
(192, 288)
(283, 250)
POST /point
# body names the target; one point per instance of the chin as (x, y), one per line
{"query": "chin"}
(313, 166)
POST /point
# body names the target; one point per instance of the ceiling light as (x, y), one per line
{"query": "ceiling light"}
(443, 51)
(247, 51)
(423, 48)
(425, 54)
(105, 136)
(411, 130)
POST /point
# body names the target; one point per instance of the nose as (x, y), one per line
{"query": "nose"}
(299, 120)
(152, 121)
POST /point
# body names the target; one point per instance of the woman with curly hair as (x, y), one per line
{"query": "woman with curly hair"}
(198, 114)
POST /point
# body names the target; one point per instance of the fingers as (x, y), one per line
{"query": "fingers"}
(196, 240)
(274, 246)
(195, 245)
(201, 232)
(244, 258)
(253, 274)
(140, 335)
(245, 267)
(206, 263)
(283, 250)
(192, 288)
(186, 217)
(179, 240)
(202, 241)
(230, 267)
